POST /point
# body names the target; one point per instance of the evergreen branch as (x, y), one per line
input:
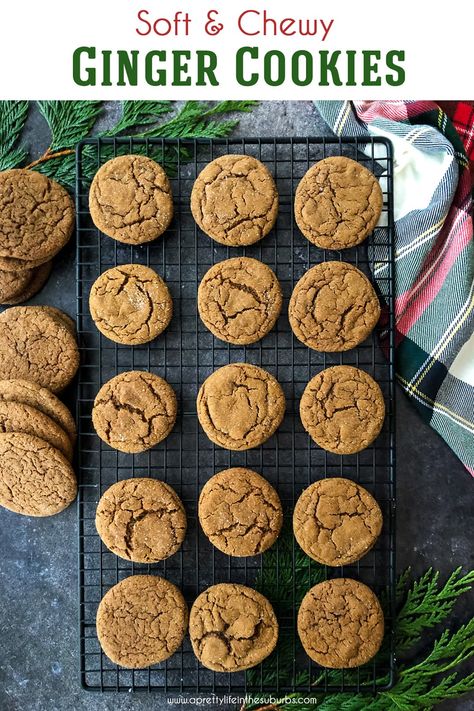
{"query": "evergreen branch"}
(13, 115)
(194, 120)
(69, 121)
(136, 114)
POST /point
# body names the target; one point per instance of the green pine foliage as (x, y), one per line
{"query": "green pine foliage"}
(13, 115)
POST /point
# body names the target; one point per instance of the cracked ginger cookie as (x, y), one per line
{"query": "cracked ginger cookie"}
(240, 512)
(338, 202)
(240, 406)
(141, 519)
(232, 627)
(234, 200)
(134, 411)
(130, 199)
(340, 623)
(239, 300)
(336, 521)
(141, 621)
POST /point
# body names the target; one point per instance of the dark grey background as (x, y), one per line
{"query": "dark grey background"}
(38, 570)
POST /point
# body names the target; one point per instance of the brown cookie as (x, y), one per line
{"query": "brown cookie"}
(240, 512)
(130, 199)
(130, 304)
(63, 317)
(340, 623)
(134, 411)
(32, 394)
(240, 406)
(14, 283)
(40, 276)
(234, 200)
(35, 478)
(17, 417)
(36, 216)
(232, 627)
(333, 307)
(142, 520)
(336, 521)
(342, 409)
(337, 203)
(141, 621)
(36, 346)
(239, 300)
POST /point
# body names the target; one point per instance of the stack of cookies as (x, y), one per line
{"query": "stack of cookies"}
(36, 221)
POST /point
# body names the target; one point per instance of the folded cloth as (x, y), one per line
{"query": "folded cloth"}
(434, 253)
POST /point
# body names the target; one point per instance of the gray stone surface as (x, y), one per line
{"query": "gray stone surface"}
(39, 664)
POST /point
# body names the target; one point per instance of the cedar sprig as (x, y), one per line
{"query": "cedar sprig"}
(13, 115)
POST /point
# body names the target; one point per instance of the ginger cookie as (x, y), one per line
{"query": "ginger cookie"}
(234, 200)
(13, 283)
(142, 520)
(37, 346)
(342, 409)
(134, 411)
(63, 317)
(32, 394)
(130, 304)
(17, 417)
(40, 276)
(239, 300)
(336, 521)
(240, 406)
(36, 217)
(141, 621)
(35, 478)
(232, 627)
(130, 199)
(240, 512)
(333, 307)
(340, 623)
(337, 203)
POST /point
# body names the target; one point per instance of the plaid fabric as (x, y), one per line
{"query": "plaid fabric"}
(434, 275)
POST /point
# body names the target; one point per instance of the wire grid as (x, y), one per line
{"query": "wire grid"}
(185, 355)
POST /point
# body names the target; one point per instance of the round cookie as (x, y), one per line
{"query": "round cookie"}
(32, 394)
(340, 623)
(141, 621)
(239, 300)
(336, 521)
(13, 283)
(17, 417)
(36, 346)
(142, 520)
(40, 276)
(240, 406)
(63, 317)
(35, 478)
(342, 409)
(234, 200)
(333, 307)
(134, 411)
(130, 199)
(338, 203)
(240, 512)
(36, 216)
(130, 304)
(232, 627)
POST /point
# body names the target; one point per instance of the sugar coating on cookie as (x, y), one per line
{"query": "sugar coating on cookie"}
(239, 300)
(232, 627)
(134, 411)
(336, 521)
(234, 200)
(35, 478)
(240, 512)
(333, 307)
(342, 409)
(340, 623)
(240, 406)
(130, 304)
(130, 199)
(338, 202)
(141, 519)
(36, 217)
(141, 621)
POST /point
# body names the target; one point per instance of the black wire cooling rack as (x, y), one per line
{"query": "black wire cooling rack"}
(185, 355)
